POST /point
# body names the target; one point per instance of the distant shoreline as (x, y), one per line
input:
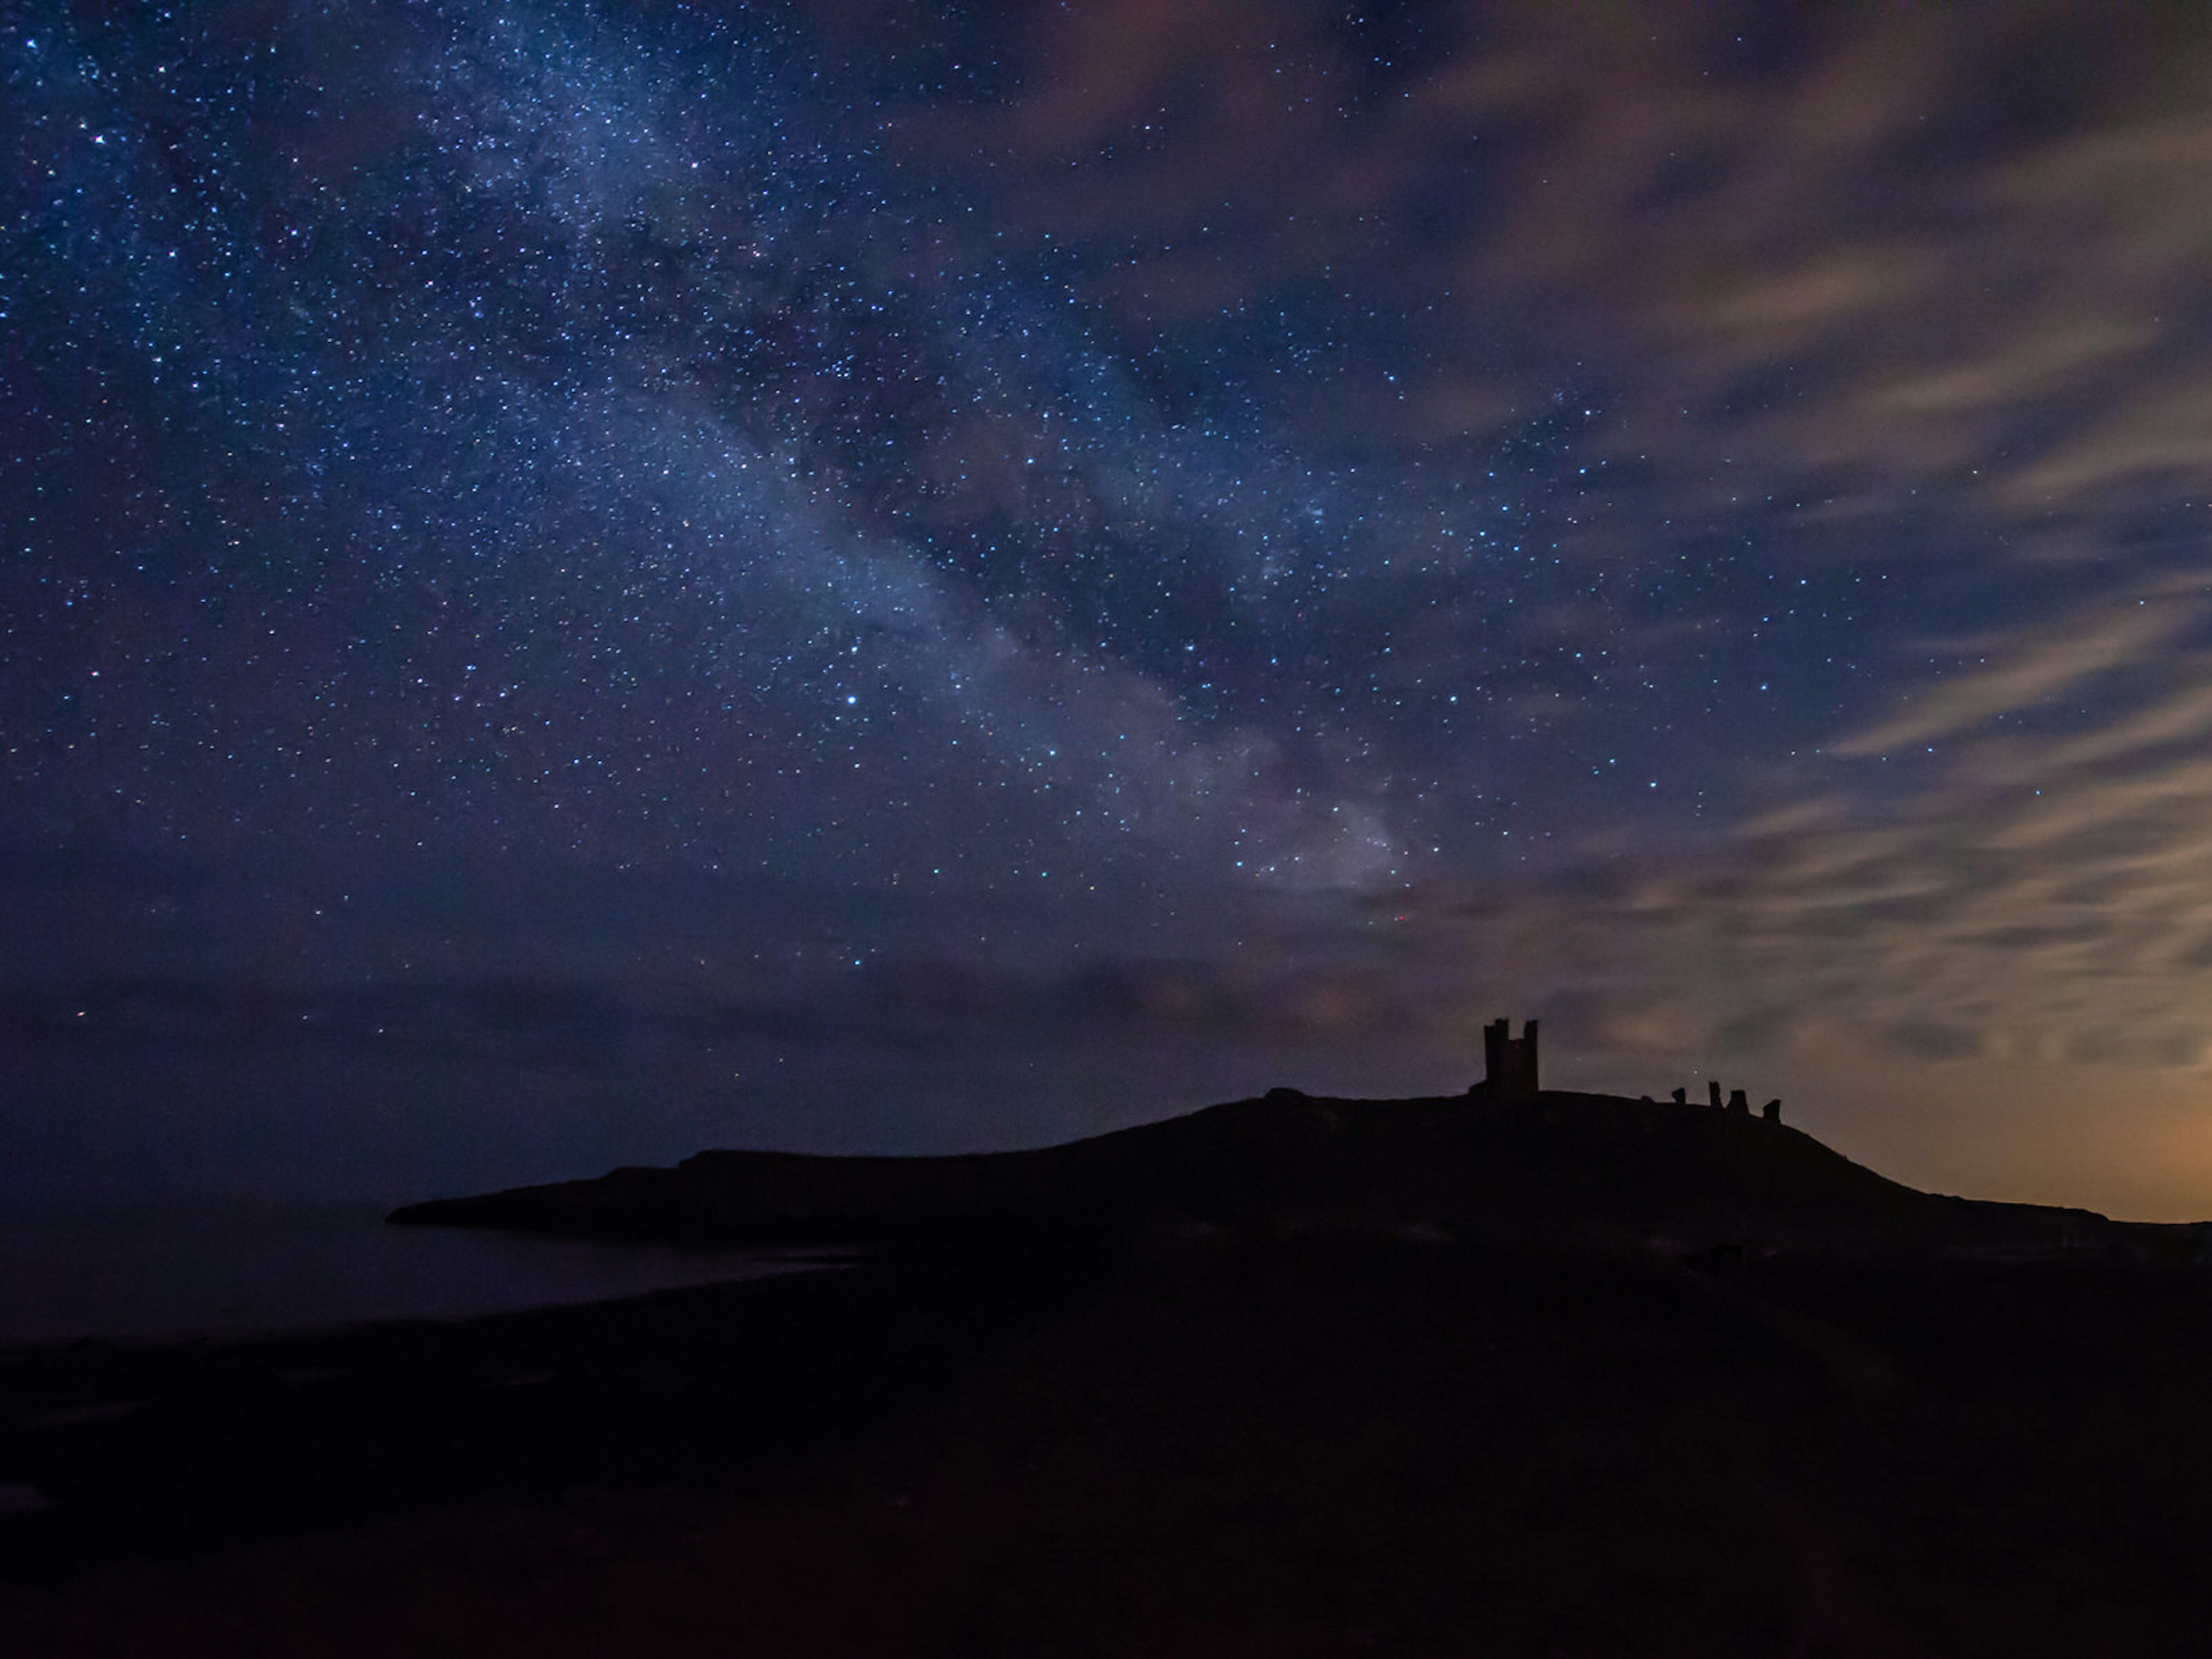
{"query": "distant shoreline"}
(154, 1275)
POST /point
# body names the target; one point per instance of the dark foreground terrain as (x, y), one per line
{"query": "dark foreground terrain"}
(1314, 1433)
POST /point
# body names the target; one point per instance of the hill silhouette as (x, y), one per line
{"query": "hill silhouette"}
(1570, 1374)
(1563, 1168)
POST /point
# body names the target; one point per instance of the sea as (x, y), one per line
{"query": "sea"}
(158, 1271)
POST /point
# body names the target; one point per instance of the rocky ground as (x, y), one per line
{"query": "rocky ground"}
(1200, 1442)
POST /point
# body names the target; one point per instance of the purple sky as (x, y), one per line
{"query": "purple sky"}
(844, 577)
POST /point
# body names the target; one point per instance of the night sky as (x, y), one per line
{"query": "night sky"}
(584, 580)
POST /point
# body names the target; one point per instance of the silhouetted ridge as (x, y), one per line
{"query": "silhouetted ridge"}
(1560, 1167)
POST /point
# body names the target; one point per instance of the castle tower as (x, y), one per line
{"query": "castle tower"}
(1509, 1063)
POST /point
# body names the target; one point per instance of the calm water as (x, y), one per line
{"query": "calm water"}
(180, 1269)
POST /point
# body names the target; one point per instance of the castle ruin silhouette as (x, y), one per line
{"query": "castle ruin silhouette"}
(1509, 1063)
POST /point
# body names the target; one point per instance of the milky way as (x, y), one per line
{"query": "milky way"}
(1468, 506)
(548, 434)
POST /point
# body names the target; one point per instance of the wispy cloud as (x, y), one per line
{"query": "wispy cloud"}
(2029, 672)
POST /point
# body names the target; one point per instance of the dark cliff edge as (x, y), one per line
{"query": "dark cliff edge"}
(1567, 1168)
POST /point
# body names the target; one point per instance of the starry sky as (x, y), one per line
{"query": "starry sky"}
(583, 578)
